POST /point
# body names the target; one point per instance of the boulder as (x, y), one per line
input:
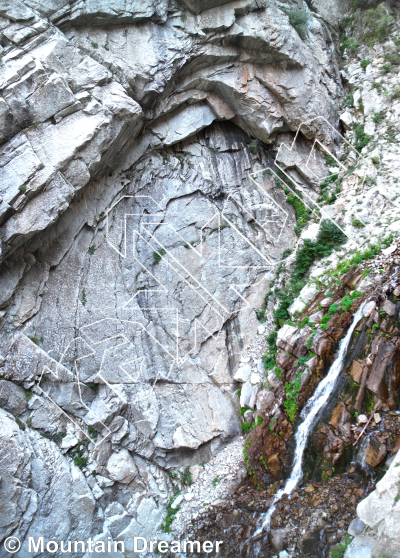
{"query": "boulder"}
(375, 452)
(317, 317)
(196, 471)
(309, 542)
(278, 539)
(356, 370)
(312, 364)
(347, 119)
(121, 467)
(286, 335)
(255, 378)
(265, 402)
(249, 417)
(360, 547)
(12, 398)
(369, 308)
(293, 340)
(243, 373)
(327, 302)
(177, 501)
(248, 395)
(340, 416)
(356, 527)
(283, 359)
(388, 307)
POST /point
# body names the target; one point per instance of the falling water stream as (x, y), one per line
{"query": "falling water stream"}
(309, 414)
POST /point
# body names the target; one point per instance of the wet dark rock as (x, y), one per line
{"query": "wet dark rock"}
(309, 542)
(356, 527)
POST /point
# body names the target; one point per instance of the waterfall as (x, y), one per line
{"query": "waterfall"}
(309, 414)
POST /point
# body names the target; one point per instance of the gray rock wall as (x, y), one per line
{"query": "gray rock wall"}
(135, 244)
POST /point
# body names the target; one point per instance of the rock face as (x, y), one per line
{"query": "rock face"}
(134, 242)
(381, 508)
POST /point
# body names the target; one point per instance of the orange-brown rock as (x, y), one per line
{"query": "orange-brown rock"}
(356, 370)
(396, 445)
(375, 452)
(340, 416)
(274, 464)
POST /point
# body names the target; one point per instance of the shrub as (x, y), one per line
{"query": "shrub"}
(357, 223)
(386, 68)
(348, 43)
(377, 24)
(158, 255)
(361, 138)
(393, 58)
(329, 237)
(302, 213)
(80, 461)
(253, 146)
(365, 63)
(166, 526)
(348, 101)
(292, 391)
(378, 116)
(331, 161)
(299, 20)
(186, 477)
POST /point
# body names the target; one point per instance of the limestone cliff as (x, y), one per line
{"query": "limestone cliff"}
(152, 159)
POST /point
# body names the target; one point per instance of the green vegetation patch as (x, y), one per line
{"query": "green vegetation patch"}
(299, 19)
